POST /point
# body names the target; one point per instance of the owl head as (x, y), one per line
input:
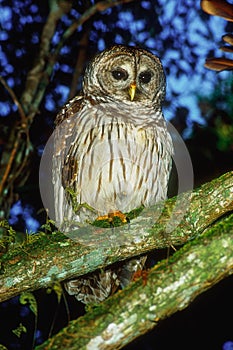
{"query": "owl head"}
(126, 74)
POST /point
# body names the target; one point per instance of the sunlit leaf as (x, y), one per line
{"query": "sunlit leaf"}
(28, 298)
(219, 64)
(218, 8)
(2, 347)
(19, 330)
(57, 288)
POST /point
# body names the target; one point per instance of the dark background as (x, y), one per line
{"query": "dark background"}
(199, 104)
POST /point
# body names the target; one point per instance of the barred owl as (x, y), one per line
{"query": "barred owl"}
(112, 152)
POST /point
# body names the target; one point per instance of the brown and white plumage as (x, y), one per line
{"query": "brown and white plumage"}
(113, 151)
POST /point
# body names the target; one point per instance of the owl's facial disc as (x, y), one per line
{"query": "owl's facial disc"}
(129, 74)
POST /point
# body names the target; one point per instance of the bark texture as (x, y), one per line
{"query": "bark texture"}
(54, 257)
(168, 288)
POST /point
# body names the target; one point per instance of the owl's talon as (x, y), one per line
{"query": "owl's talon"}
(110, 217)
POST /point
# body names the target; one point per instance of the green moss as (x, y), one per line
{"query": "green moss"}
(32, 243)
(224, 225)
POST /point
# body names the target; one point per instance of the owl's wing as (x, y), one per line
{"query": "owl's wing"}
(95, 287)
(73, 106)
(62, 136)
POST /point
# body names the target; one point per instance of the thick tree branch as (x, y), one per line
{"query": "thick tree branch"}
(169, 287)
(50, 257)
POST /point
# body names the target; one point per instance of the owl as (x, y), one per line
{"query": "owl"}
(112, 153)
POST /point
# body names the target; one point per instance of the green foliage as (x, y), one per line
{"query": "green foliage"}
(218, 110)
(28, 298)
(48, 227)
(19, 330)
(10, 237)
(18, 240)
(77, 206)
(57, 288)
(224, 133)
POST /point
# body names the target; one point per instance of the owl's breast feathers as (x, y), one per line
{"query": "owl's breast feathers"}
(115, 158)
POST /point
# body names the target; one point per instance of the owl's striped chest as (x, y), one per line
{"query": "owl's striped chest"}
(116, 165)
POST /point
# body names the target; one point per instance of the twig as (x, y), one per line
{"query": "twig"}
(83, 44)
(22, 128)
(98, 7)
(16, 102)
(9, 166)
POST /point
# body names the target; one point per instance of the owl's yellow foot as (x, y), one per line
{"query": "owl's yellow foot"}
(110, 217)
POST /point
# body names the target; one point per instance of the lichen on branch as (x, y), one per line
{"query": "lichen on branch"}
(55, 256)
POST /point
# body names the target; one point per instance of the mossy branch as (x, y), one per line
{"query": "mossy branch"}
(56, 257)
(170, 286)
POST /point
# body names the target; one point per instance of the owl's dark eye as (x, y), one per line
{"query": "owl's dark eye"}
(145, 77)
(119, 74)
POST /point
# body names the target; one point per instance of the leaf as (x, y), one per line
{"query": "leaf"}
(4, 223)
(218, 8)
(28, 298)
(2, 347)
(219, 64)
(19, 330)
(48, 226)
(226, 48)
(228, 38)
(57, 288)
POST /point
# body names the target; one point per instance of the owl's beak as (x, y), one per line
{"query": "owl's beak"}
(132, 90)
